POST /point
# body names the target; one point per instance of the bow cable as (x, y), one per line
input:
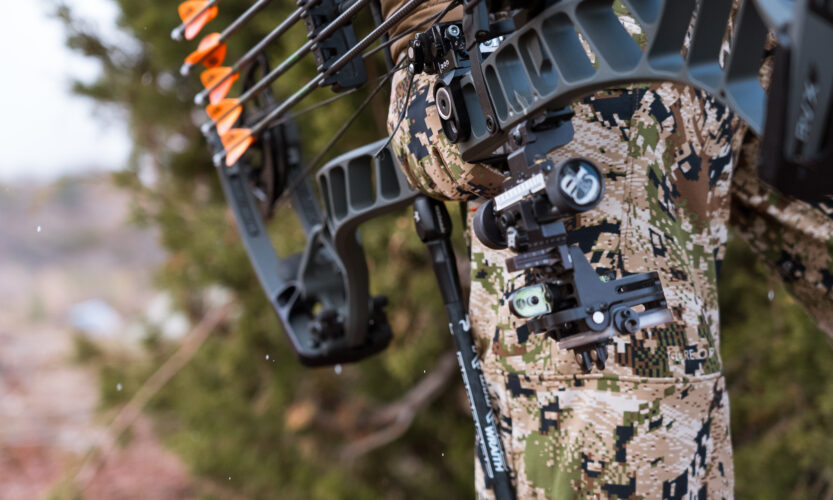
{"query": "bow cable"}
(401, 114)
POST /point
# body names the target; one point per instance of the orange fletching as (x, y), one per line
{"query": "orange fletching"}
(224, 114)
(215, 57)
(211, 76)
(188, 8)
(222, 90)
(194, 26)
(217, 111)
(223, 78)
(236, 141)
(211, 52)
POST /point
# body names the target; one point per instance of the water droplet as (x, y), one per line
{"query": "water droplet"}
(229, 478)
(118, 387)
(40, 229)
(443, 454)
(267, 357)
(771, 295)
(338, 369)
(424, 371)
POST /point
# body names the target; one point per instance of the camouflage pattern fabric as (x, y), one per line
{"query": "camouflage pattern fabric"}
(655, 422)
(431, 163)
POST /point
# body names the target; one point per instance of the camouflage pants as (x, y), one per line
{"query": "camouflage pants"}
(655, 422)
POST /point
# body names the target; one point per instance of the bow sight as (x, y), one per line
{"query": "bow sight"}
(570, 303)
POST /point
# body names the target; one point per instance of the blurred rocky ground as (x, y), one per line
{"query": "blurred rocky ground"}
(71, 264)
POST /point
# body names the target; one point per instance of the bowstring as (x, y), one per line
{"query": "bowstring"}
(401, 114)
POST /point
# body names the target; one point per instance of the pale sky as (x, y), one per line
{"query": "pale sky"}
(45, 130)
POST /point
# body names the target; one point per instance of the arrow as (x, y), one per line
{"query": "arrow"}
(218, 39)
(219, 80)
(195, 14)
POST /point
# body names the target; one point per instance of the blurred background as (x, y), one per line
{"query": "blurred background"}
(139, 358)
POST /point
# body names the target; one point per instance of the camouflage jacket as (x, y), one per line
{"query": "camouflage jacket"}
(655, 422)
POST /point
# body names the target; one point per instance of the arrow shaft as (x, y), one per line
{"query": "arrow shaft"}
(243, 19)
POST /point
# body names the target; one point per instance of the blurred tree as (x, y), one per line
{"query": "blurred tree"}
(246, 415)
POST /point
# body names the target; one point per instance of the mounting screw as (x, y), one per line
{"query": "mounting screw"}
(417, 58)
(453, 31)
(598, 317)
(517, 138)
(491, 126)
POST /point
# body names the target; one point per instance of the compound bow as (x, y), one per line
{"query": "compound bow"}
(506, 74)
